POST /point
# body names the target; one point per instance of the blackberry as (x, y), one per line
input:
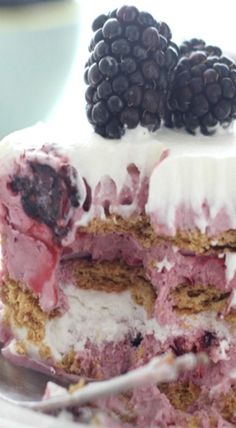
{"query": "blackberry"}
(136, 341)
(48, 195)
(202, 91)
(131, 57)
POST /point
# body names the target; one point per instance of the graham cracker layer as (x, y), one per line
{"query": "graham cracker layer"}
(181, 395)
(189, 299)
(115, 276)
(22, 309)
(227, 405)
(138, 226)
(184, 395)
(141, 229)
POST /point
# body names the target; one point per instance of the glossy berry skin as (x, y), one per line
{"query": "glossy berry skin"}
(131, 58)
(202, 92)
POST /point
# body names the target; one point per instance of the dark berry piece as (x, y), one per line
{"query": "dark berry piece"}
(120, 84)
(137, 340)
(213, 92)
(164, 30)
(150, 101)
(146, 19)
(90, 91)
(114, 129)
(183, 78)
(104, 89)
(208, 120)
(88, 110)
(120, 47)
(150, 70)
(191, 121)
(210, 76)
(129, 117)
(108, 66)
(112, 13)
(140, 53)
(127, 13)
(228, 61)
(163, 80)
(171, 57)
(228, 87)
(200, 105)
(98, 22)
(96, 97)
(128, 65)
(221, 69)
(101, 49)
(163, 43)
(101, 130)
(196, 84)
(197, 58)
(222, 110)
(208, 339)
(198, 70)
(183, 98)
(151, 38)
(112, 29)
(233, 75)
(137, 78)
(48, 195)
(210, 61)
(133, 96)
(94, 75)
(90, 60)
(132, 33)
(97, 36)
(160, 58)
(100, 114)
(150, 121)
(115, 104)
(86, 75)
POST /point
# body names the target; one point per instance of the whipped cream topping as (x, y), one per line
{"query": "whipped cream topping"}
(193, 186)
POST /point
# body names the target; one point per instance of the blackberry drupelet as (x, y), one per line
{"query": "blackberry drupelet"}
(131, 57)
(202, 92)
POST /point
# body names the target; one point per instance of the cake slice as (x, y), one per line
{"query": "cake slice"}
(119, 245)
(100, 272)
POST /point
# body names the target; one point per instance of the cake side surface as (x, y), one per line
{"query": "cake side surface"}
(106, 285)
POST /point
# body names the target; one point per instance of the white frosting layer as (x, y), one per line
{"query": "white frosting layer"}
(230, 264)
(96, 159)
(198, 172)
(164, 264)
(100, 317)
(93, 156)
(103, 317)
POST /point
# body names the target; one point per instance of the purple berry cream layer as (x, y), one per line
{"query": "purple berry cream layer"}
(116, 252)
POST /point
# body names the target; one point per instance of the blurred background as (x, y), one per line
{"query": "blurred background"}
(43, 48)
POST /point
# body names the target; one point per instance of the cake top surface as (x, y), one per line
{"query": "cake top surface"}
(133, 144)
